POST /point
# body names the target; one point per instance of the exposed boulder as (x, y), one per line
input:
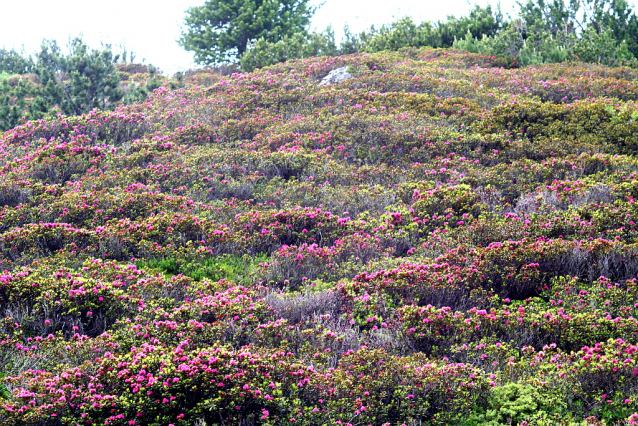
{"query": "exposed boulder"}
(335, 76)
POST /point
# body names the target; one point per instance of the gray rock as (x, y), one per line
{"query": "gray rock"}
(335, 76)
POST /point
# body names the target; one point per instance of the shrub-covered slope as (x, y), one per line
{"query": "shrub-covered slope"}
(438, 240)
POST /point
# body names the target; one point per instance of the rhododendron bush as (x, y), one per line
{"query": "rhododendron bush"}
(437, 240)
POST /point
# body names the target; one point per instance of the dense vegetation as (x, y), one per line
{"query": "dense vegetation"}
(438, 240)
(251, 34)
(221, 30)
(53, 82)
(542, 31)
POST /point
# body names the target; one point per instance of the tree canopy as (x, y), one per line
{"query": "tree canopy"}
(81, 81)
(71, 82)
(222, 30)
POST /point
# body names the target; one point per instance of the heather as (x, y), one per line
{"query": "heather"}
(441, 239)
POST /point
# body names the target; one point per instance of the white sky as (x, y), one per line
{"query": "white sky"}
(150, 28)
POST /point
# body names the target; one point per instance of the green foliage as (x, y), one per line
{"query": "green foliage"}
(602, 47)
(21, 99)
(513, 403)
(619, 18)
(4, 392)
(401, 34)
(602, 32)
(404, 33)
(80, 81)
(563, 19)
(71, 83)
(13, 62)
(296, 46)
(220, 31)
(236, 269)
(139, 91)
(511, 43)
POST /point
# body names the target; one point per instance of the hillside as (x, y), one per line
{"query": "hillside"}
(25, 97)
(438, 240)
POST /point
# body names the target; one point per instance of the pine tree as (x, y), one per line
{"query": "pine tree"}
(221, 30)
(81, 81)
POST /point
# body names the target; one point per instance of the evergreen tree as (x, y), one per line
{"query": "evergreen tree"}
(80, 81)
(394, 36)
(221, 30)
(12, 62)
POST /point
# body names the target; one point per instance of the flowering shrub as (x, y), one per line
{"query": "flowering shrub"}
(437, 240)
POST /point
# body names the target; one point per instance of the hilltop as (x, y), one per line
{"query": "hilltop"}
(441, 239)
